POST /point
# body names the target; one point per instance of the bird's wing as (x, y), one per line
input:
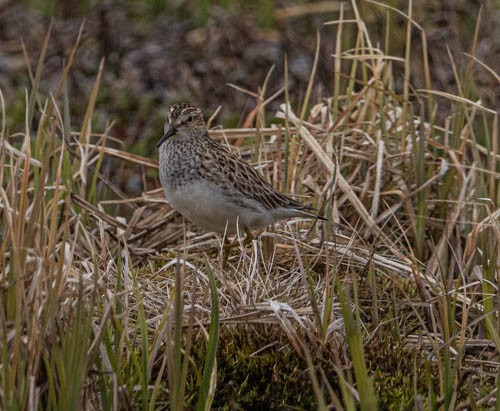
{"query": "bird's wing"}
(245, 179)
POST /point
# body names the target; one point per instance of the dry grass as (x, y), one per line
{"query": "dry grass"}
(100, 311)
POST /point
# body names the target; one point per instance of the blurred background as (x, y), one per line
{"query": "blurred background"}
(157, 53)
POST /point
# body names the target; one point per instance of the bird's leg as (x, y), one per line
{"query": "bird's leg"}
(228, 244)
(249, 236)
(248, 239)
(226, 250)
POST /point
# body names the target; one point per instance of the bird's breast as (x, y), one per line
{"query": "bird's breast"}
(179, 166)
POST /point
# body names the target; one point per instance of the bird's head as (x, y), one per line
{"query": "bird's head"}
(183, 120)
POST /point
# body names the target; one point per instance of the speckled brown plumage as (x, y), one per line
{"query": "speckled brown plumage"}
(213, 187)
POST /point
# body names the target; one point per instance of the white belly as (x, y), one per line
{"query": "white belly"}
(209, 207)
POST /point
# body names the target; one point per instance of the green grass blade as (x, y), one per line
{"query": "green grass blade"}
(209, 379)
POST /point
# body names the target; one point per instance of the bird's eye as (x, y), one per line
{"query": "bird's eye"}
(189, 119)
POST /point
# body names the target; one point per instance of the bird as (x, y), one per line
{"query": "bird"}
(213, 187)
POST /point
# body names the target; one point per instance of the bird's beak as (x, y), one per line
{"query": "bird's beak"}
(170, 131)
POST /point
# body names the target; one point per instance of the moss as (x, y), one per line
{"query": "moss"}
(250, 377)
(393, 373)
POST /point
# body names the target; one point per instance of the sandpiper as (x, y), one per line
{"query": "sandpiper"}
(212, 187)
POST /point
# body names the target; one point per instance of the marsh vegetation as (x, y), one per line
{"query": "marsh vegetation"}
(109, 300)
